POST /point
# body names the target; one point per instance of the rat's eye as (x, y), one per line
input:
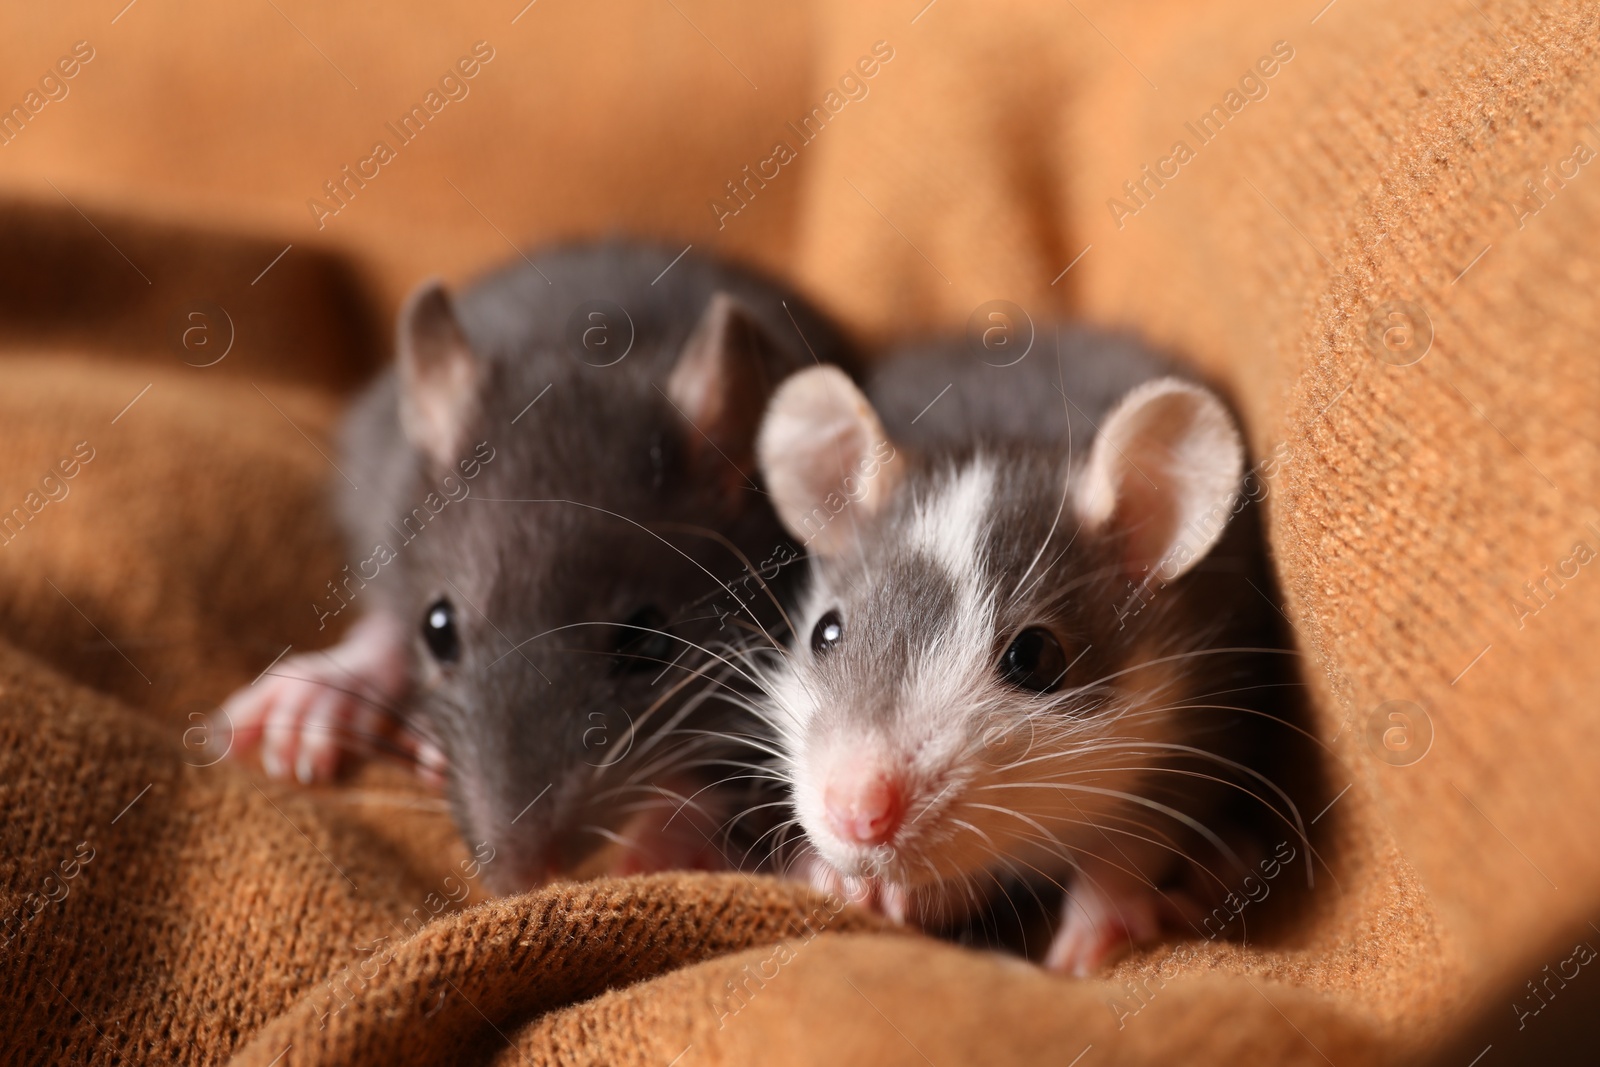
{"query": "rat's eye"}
(439, 632)
(643, 642)
(829, 629)
(1034, 660)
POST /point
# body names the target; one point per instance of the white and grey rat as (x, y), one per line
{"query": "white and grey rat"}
(551, 498)
(1030, 650)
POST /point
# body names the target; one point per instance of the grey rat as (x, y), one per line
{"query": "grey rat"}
(1030, 650)
(553, 506)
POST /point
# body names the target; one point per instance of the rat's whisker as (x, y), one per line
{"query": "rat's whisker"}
(750, 568)
(632, 522)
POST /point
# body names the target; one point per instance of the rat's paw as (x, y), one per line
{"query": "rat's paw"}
(309, 711)
(825, 878)
(678, 830)
(432, 764)
(306, 719)
(821, 875)
(893, 901)
(1100, 924)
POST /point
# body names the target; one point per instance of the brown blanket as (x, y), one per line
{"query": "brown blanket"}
(1374, 222)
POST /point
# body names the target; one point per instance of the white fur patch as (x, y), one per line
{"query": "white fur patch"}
(950, 671)
(950, 523)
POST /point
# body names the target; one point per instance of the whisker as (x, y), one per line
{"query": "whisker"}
(638, 525)
(749, 567)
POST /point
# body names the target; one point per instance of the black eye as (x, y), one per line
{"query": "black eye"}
(643, 643)
(828, 631)
(439, 631)
(1034, 661)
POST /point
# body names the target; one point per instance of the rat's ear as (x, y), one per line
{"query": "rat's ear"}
(1164, 470)
(720, 385)
(827, 462)
(439, 375)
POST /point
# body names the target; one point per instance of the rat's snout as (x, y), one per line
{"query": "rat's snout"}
(864, 803)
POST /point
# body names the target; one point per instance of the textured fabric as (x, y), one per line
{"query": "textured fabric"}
(1384, 248)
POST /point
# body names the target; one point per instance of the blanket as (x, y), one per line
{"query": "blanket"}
(1372, 223)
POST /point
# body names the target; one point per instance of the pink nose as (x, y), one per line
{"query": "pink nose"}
(864, 807)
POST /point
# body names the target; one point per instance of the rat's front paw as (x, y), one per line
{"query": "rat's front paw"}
(680, 829)
(824, 877)
(819, 874)
(891, 900)
(310, 710)
(1100, 923)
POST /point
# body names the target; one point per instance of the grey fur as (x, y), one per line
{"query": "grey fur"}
(1034, 422)
(609, 455)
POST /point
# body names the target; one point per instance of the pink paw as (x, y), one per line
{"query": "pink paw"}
(888, 899)
(678, 830)
(1101, 923)
(820, 875)
(309, 711)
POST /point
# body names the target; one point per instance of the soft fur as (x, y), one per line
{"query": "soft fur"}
(1407, 508)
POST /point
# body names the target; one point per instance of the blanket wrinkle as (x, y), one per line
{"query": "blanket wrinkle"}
(1370, 222)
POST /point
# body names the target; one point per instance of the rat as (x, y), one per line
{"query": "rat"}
(1030, 651)
(553, 503)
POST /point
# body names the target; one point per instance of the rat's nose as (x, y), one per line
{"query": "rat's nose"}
(864, 806)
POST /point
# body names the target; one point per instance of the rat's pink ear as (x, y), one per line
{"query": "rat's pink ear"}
(827, 462)
(720, 385)
(439, 375)
(1164, 471)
